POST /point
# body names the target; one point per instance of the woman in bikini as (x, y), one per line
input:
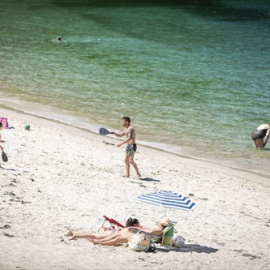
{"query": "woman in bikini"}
(258, 135)
(106, 232)
(122, 236)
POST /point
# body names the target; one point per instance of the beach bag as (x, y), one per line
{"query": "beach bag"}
(4, 122)
(139, 242)
(178, 241)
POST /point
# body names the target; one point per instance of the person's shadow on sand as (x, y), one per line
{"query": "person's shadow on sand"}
(188, 248)
(149, 179)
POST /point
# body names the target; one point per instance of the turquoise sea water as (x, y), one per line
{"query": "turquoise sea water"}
(192, 75)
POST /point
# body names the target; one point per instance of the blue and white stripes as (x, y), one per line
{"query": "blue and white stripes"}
(167, 199)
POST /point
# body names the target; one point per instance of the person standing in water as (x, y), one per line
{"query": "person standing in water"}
(258, 135)
(131, 145)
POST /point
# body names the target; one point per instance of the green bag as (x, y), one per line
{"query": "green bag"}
(168, 237)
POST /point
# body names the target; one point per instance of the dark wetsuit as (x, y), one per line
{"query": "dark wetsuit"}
(258, 134)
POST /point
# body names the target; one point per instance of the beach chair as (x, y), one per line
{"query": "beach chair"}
(167, 234)
(164, 239)
(113, 224)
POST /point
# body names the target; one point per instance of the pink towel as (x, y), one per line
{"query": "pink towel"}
(4, 122)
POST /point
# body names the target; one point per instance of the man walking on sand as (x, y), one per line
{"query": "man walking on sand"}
(131, 145)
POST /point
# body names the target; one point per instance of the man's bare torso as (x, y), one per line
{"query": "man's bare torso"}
(131, 134)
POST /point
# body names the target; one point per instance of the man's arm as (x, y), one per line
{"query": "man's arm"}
(125, 141)
(118, 134)
(267, 137)
(129, 136)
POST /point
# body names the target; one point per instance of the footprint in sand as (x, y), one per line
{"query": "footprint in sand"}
(9, 193)
(5, 227)
(8, 235)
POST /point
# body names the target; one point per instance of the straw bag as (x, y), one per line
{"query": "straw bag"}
(139, 242)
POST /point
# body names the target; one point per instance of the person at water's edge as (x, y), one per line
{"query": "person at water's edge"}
(261, 135)
(131, 145)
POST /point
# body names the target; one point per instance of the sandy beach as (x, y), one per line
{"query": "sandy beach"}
(60, 177)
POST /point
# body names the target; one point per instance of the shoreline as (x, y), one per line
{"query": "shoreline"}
(61, 178)
(261, 177)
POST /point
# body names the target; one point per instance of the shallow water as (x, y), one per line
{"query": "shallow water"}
(193, 78)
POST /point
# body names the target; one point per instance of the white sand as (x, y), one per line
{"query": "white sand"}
(60, 178)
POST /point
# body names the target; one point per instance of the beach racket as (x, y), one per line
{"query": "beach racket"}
(104, 131)
(4, 157)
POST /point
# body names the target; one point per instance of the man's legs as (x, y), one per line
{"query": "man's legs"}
(131, 161)
(127, 166)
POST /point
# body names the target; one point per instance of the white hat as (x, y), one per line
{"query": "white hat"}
(165, 221)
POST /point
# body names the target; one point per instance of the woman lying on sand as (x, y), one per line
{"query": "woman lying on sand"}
(123, 235)
(109, 238)
(131, 222)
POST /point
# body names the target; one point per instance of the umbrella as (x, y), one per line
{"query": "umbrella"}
(167, 199)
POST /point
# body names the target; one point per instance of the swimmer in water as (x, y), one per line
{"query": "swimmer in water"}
(258, 135)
